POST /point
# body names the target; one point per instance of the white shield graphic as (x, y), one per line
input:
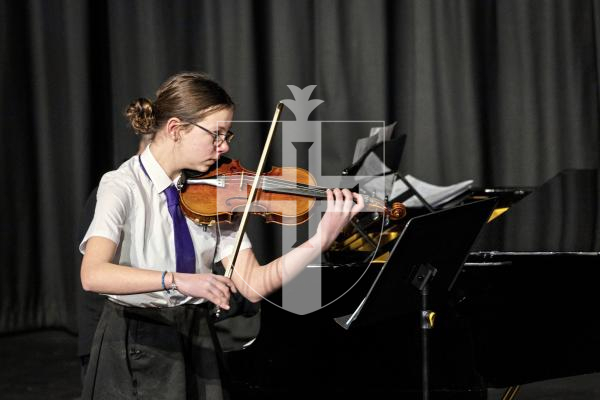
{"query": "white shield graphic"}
(302, 293)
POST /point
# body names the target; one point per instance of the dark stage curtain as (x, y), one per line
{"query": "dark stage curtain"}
(503, 92)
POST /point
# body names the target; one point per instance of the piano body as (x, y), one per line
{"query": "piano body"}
(530, 285)
(522, 310)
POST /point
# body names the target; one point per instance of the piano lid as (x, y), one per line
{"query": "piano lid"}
(562, 215)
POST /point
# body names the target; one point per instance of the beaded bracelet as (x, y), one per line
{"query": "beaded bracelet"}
(163, 282)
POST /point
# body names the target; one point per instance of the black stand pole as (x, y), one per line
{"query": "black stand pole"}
(423, 276)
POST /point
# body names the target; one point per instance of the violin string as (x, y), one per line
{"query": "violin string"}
(281, 184)
(274, 183)
(302, 188)
(275, 180)
(269, 183)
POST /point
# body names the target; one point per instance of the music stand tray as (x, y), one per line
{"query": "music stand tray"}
(428, 256)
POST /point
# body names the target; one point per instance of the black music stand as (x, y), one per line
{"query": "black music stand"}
(411, 191)
(392, 155)
(390, 151)
(428, 256)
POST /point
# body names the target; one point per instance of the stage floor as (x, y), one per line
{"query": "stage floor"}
(44, 365)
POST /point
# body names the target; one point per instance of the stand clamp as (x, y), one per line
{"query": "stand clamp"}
(427, 319)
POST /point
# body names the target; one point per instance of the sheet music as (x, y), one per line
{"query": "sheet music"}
(385, 183)
(376, 135)
(435, 195)
(372, 166)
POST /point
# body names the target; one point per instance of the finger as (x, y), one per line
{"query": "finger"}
(217, 297)
(232, 287)
(227, 282)
(222, 287)
(339, 200)
(214, 293)
(330, 200)
(348, 201)
(359, 205)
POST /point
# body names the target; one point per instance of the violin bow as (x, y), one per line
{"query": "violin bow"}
(252, 195)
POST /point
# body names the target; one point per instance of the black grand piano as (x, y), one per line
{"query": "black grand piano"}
(522, 310)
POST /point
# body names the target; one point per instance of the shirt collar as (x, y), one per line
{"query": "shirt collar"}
(158, 176)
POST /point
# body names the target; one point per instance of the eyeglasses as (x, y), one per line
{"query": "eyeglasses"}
(218, 138)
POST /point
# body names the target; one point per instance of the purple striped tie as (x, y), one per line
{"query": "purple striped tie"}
(184, 248)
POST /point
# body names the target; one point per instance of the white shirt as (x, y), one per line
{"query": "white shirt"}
(131, 210)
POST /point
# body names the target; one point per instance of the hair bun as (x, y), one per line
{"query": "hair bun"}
(142, 116)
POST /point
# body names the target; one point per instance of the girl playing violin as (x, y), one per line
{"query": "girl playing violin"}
(155, 338)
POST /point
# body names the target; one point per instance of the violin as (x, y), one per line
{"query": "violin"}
(285, 195)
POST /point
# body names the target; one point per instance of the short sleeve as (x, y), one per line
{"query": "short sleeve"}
(227, 236)
(112, 202)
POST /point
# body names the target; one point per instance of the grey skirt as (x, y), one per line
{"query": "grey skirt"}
(154, 353)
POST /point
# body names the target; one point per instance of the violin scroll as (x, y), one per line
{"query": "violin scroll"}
(397, 211)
